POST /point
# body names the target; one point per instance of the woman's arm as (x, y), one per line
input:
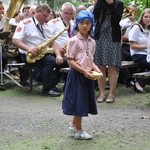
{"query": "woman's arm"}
(136, 46)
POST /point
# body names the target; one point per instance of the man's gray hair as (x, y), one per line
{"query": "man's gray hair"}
(68, 4)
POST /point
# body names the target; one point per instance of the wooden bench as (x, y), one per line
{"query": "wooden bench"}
(125, 64)
(144, 75)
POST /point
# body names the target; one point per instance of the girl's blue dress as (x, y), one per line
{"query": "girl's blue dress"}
(79, 95)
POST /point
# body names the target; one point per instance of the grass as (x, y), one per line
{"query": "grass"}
(126, 141)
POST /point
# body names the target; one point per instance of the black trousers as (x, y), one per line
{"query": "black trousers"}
(46, 71)
(144, 66)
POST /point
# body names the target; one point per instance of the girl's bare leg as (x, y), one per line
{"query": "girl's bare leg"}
(77, 122)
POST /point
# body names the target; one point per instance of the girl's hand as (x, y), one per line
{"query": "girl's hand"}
(98, 70)
(88, 74)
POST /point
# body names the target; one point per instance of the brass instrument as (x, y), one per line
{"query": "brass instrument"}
(5, 16)
(127, 12)
(44, 48)
(14, 7)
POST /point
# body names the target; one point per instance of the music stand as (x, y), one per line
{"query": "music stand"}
(3, 72)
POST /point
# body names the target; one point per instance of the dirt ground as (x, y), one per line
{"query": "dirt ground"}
(31, 121)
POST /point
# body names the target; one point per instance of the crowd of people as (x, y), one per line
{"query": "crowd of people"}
(97, 38)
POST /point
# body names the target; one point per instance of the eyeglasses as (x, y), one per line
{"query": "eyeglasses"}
(69, 14)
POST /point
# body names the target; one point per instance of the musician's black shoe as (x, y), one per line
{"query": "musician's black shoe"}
(130, 84)
(52, 93)
(56, 89)
(25, 83)
(35, 82)
(2, 88)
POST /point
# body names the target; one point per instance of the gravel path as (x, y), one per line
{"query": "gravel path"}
(23, 117)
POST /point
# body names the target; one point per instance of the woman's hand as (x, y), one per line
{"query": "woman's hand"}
(109, 1)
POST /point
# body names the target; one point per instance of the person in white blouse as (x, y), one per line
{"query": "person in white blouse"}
(139, 37)
(66, 19)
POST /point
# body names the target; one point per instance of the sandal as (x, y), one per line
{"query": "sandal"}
(110, 99)
(101, 99)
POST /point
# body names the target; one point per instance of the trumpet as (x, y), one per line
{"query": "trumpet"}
(127, 12)
(2, 15)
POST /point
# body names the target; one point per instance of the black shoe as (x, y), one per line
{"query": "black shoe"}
(35, 82)
(130, 84)
(25, 83)
(56, 89)
(52, 93)
(138, 90)
(2, 88)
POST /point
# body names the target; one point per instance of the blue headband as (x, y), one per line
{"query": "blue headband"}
(81, 16)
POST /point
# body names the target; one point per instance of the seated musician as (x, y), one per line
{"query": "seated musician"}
(29, 35)
(66, 15)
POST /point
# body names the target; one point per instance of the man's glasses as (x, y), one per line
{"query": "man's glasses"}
(69, 14)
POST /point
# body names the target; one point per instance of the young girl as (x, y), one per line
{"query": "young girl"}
(79, 95)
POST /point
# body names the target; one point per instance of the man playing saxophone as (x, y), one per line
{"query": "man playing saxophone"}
(67, 13)
(29, 35)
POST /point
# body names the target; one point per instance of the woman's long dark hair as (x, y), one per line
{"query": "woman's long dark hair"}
(100, 5)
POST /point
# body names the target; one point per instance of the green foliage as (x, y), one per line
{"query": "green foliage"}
(58, 3)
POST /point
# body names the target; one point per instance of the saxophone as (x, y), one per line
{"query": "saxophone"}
(44, 48)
